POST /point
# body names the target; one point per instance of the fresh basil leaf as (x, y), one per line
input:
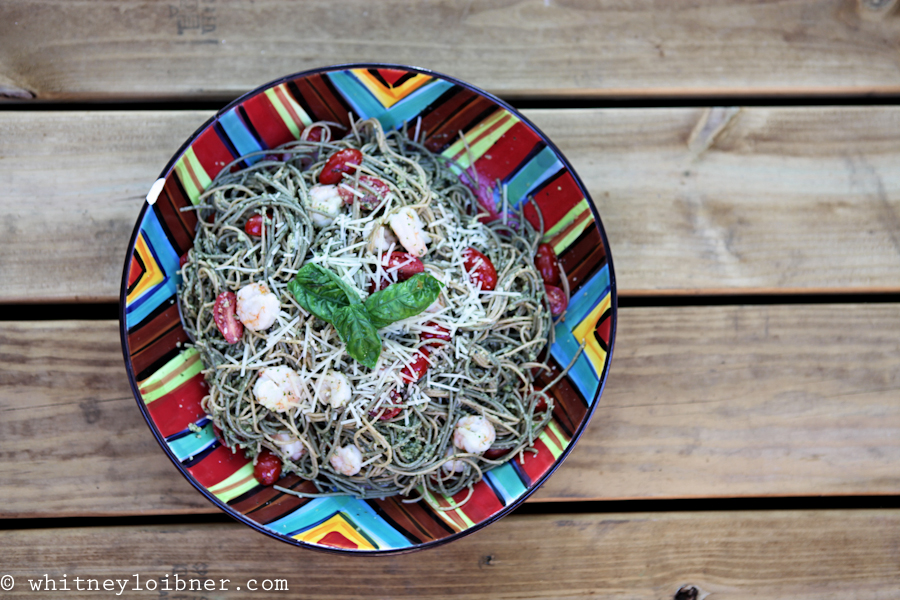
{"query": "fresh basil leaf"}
(321, 292)
(402, 300)
(358, 333)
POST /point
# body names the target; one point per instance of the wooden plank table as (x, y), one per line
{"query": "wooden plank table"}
(743, 157)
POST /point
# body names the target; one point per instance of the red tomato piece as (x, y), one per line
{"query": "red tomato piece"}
(406, 266)
(314, 135)
(495, 453)
(255, 224)
(182, 260)
(226, 319)
(267, 469)
(369, 200)
(440, 333)
(557, 300)
(342, 161)
(480, 271)
(417, 367)
(547, 264)
(388, 412)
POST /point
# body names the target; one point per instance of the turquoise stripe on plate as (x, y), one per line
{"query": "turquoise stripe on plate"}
(506, 482)
(364, 104)
(588, 296)
(168, 261)
(536, 171)
(189, 446)
(412, 106)
(582, 373)
(240, 136)
(583, 301)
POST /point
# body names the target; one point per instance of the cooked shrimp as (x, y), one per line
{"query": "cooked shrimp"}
(325, 203)
(278, 388)
(347, 460)
(452, 466)
(474, 434)
(257, 307)
(335, 389)
(410, 231)
(380, 238)
(289, 445)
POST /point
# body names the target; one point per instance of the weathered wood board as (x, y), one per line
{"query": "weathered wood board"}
(780, 200)
(702, 402)
(219, 49)
(791, 555)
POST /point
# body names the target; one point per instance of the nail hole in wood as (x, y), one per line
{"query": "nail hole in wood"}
(687, 592)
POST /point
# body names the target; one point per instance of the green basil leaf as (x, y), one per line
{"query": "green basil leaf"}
(321, 292)
(402, 300)
(358, 333)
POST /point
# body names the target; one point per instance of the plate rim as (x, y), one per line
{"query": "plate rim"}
(576, 436)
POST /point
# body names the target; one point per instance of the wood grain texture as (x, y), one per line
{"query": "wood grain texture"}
(701, 402)
(73, 186)
(220, 49)
(821, 555)
(780, 200)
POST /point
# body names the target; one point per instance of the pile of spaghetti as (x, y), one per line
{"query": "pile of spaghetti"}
(373, 221)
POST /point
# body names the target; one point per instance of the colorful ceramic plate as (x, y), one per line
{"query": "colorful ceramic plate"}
(165, 373)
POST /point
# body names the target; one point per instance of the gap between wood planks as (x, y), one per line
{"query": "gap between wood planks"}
(594, 507)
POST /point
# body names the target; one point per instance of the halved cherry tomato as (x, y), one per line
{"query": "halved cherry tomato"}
(369, 200)
(417, 367)
(540, 405)
(342, 161)
(182, 260)
(254, 226)
(225, 318)
(267, 469)
(388, 412)
(547, 264)
(557, 300)
(480, 271)
(441, 333)
(406, 266)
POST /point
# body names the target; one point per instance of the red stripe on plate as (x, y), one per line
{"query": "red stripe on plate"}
(211, 152)
(482, 504)
(537, 464)
(174, 411)
(267, 121)
(134, 271)
(217, 466)
(556, 199)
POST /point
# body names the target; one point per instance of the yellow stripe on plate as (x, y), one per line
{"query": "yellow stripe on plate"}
(480, 139)
(171, 375)
(240, 482)
(585, 331)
